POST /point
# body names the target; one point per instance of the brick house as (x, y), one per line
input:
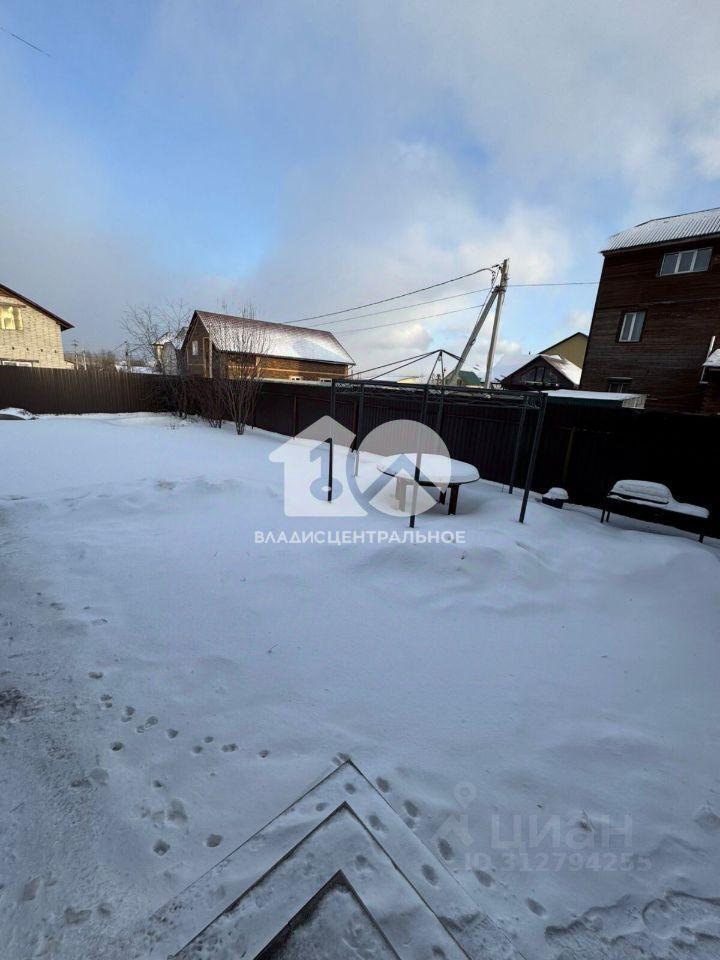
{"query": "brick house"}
(30, 335)
(657, 314)
(217, 341)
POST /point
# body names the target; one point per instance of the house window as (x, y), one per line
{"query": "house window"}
(631, 326)
(296, 378)
(686, 261)
(539, 376)
(10, 318)
(618, 384)
(195, 348)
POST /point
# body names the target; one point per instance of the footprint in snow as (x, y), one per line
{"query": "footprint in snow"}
(176, 813)
(485, 879)
(445, 849)
(537, 908)
(76, 916)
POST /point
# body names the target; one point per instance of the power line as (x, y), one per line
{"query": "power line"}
(398, 296)
(454, 296)
(561, 283)
(23, 40)
(445, 313)
(405, 306)
(429, 316)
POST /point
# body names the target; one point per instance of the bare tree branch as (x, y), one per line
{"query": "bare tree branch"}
(239, 374)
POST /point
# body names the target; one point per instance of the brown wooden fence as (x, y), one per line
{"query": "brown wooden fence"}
(78, 391)
(584, 449)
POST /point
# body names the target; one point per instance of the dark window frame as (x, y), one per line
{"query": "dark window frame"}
(625, 381)
(621, 324)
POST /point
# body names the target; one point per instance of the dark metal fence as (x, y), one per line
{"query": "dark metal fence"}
(42, 390)
(583, 448)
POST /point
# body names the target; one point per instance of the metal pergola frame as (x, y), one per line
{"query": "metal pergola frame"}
(461, 396)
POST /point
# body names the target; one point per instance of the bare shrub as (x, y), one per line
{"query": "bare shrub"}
(239, 373)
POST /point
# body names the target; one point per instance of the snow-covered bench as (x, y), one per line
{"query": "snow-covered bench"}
(645, 500)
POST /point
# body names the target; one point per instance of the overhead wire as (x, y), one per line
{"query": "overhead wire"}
(398, 296)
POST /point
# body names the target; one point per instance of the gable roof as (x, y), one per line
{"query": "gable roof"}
(470, 378)
(571, 371)
(64, 325)
(713, 360)
(682, 226)
(564, 367)
(229, 334)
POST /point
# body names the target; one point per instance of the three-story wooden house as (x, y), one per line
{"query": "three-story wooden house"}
(657, 314)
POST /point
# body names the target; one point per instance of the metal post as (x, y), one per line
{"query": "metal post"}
(358, 435)
(516, 453)
(418, 452)
(496, 323)
(331, 440)
(533, 456)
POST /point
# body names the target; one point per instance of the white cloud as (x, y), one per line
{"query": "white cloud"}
(406, 145)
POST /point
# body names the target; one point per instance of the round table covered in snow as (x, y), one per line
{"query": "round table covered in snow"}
(437, 471)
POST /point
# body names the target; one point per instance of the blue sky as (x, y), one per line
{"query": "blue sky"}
(310, 155)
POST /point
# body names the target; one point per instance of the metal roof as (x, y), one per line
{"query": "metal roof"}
(683, 226)
(236, 334)
(571, 371)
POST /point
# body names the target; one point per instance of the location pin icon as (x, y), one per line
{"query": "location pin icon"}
(465, 793)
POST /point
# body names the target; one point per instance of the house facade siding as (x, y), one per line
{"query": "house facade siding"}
(38, 343)
(682, 314)
(572, 348)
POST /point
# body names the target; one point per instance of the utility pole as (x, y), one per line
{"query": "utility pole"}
(499, 300)
(75, 355)
(498, 290)
(127, 358)
(84, 359)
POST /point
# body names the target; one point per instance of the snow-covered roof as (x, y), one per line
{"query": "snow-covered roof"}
(176, 339)
(604, 395)
(683, 226)
(571, 371)
(568, 369)
(713, 360)
(281, 339)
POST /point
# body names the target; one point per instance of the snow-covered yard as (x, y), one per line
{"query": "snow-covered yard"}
(169, 685)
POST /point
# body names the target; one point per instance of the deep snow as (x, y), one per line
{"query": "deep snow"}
(170, 685)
